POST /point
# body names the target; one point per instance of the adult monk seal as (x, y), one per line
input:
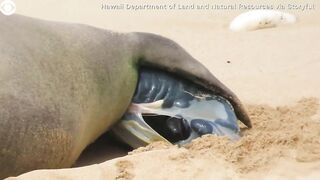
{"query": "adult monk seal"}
(63, 85)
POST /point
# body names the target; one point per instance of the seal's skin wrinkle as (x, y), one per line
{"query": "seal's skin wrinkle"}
(63, 85)
(168, 107)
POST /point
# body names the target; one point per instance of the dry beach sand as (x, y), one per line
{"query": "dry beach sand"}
(275, 72)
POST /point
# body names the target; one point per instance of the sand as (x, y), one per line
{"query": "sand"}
(284, 143)
(273, 71)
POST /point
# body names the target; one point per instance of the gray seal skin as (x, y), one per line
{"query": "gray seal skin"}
(63, 85)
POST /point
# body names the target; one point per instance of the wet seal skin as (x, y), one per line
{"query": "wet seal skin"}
(63, 85)
(170, 108)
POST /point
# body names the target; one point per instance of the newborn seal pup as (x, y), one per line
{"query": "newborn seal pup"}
(63, 85)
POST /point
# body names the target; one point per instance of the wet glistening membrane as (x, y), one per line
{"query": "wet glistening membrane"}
(167, 107)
